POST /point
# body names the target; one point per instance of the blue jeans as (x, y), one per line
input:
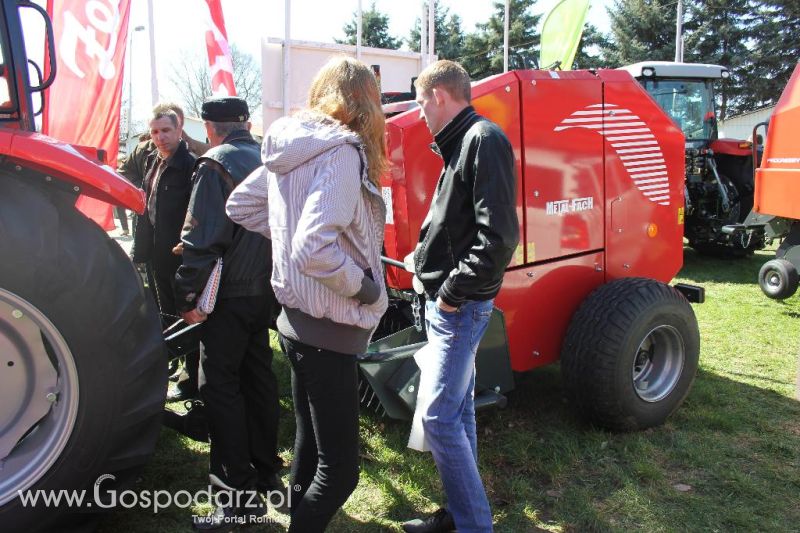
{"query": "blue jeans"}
(449, 420)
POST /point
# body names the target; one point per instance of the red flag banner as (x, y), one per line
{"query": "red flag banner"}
(219, 53)
(83, 104)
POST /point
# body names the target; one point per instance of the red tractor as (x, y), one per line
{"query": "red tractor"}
(83, 376)
(719, 172)
(600, 171)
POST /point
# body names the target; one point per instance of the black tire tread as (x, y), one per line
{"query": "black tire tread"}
(82, 280)
(589, 355)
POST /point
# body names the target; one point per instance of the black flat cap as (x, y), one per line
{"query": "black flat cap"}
(226, 109)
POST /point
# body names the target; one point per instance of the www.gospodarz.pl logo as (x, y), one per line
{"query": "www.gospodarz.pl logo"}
(155, 500)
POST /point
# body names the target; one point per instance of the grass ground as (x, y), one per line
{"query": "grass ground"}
(728, 460)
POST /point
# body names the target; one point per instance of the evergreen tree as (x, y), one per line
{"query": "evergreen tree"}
(717, 33)
(590, 50)
(449, 41)
(641, 30)
(375, 30)
(775, 52)
(483, 50)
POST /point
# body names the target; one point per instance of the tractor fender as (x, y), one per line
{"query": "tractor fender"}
(70, 164)
(734, 147)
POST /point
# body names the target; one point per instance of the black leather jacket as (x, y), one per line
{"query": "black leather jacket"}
(471, 230)
(208, 233)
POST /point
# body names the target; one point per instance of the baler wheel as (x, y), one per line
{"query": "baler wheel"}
(631, 354)
(778, 279)
(83, 364)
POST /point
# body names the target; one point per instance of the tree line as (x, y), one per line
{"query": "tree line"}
(756, 39)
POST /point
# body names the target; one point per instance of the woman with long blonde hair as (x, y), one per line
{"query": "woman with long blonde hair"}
(317, 198)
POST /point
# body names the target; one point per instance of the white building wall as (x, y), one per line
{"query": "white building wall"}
(741, 126)
(306, 58)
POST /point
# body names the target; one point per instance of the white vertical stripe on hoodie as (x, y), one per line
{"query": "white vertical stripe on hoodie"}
(325, 218)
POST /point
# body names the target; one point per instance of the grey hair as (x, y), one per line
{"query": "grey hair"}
(171, 115)
(223, 129)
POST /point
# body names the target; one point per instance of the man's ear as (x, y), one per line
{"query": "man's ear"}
(439, 96)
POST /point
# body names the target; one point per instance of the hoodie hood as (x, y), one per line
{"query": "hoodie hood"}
(292, 141)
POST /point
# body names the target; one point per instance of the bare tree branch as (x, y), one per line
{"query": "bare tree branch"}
(191, 79)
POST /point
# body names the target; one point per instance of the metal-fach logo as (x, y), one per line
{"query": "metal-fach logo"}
(634, 143)
(575, 205)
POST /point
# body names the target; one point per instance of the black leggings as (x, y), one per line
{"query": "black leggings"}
(325, 393)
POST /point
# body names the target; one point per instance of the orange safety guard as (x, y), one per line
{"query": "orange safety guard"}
(778, 180)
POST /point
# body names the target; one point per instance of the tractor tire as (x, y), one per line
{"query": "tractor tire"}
(83, 365)
(631, 353)
(778, 279)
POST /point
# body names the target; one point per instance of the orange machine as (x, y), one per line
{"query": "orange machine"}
(778, 179)
(778, 190)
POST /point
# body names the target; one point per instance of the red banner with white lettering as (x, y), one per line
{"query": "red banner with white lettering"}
(219, 53)
(84, 102)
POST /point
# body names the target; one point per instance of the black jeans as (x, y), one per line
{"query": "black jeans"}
(240, 391)
(325, 465)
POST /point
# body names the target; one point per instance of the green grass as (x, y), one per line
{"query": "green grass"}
(735, 442)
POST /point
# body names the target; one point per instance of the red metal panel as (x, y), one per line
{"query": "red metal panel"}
(563, 178)
(64, 162)
(644, 184)
(415, 168)
(735, 147)
(538, 303)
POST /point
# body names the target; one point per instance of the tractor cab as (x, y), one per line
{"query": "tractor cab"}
(686, 92)
(719, 175)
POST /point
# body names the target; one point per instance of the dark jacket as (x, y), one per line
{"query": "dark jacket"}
(471, 231)
(134, 166)
(208, 233)
(155, 243)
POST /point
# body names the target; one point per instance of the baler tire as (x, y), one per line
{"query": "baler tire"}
(605, 342)
(60, 265)
(778, 279)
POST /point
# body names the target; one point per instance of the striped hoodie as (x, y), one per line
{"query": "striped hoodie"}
(326, 219)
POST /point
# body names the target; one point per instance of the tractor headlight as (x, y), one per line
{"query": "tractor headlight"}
(648, 71)
(726, 74)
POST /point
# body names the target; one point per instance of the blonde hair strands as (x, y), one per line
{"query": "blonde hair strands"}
(346, 89)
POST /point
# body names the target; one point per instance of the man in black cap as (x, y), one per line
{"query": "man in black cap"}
(237, 384)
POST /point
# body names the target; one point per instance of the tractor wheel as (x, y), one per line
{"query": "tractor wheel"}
(83, 376)
(631, 354)
(778, 279)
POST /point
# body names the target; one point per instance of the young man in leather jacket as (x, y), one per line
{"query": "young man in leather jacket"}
(465, 244)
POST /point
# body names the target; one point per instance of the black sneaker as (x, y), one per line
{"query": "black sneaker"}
(269, 487)
(193, 424)
(439, 522)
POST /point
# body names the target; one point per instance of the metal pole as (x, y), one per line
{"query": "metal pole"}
(505, 38)
(130, 88)
(679, 34)
(153, 69)
(359, 30)
(286, 50)
(431, 30)
(423, 37)
(130, 84)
